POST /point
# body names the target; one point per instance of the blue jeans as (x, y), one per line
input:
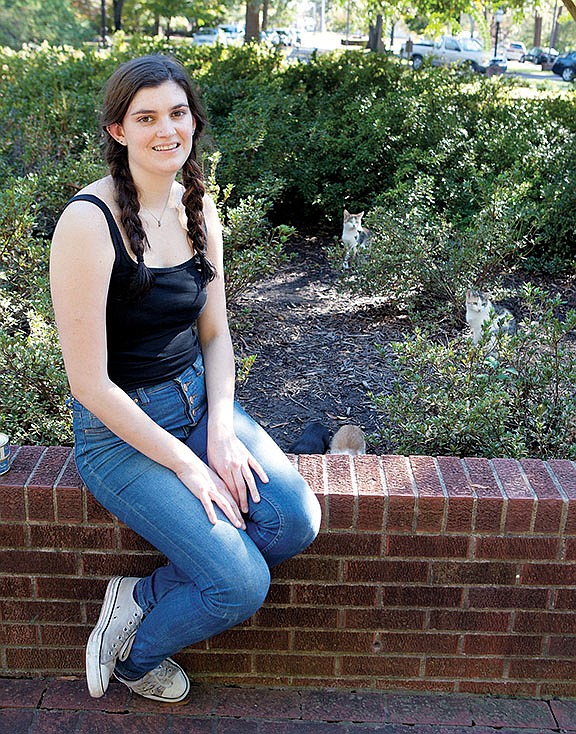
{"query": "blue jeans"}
(217, 575)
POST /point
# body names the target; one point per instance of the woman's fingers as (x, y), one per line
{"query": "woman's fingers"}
(228, 504)
(206, 501)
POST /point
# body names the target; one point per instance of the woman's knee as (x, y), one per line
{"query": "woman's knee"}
(241, 592)
(306, 517)
(299, 517)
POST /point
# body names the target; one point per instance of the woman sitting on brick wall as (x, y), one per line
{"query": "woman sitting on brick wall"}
(138, 291)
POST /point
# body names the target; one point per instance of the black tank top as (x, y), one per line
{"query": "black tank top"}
(152, 338)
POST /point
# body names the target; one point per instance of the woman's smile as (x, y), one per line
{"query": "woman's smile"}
(158, 122)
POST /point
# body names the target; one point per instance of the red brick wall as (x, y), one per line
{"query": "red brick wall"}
(429, 574)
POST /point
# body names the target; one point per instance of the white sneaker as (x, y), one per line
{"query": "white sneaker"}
(167, 682)
(113, 635)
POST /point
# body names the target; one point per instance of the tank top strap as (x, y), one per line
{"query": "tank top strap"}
(115, 234)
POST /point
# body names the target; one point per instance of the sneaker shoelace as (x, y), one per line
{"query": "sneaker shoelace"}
(127, 631)
(156, 681)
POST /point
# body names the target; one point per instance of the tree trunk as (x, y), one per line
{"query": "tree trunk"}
(252, 21)
(265, 6)
(379, 29)
(117, 10)
(554, 35)
(375, 35)
(537, 30)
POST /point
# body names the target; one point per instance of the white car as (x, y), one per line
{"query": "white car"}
(515, 51)
(209, 37)
(448, 50)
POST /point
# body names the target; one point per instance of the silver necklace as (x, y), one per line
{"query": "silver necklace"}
(158, 220)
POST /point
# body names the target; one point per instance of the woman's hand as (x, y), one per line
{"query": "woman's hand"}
(235, 466)
(205, 484)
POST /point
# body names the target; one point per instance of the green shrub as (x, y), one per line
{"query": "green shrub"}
(354, 130)
(463, 180)
(33, 383)
(253, 248)
(464, 400)
(422, 263)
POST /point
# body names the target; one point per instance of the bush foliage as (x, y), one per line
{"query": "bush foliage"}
(460, 174)
(463, 399)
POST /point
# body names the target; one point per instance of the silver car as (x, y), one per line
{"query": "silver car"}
(209, 37)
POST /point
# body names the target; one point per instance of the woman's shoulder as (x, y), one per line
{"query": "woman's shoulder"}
(102, 189)
(209, 206)
(83, 217)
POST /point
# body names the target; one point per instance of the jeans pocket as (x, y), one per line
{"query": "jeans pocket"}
(85, 421)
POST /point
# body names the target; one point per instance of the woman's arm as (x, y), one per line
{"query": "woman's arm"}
(226, 454)
(81, 261)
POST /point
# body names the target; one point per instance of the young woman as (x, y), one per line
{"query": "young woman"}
(138, 291)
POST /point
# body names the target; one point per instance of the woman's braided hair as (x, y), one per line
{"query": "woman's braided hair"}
(125, 82)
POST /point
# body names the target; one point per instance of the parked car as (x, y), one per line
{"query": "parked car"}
(233, 33)
(538, 55)
(497, 65)
(209, 37)
(448, 50)
(565, 66)
(281, 37)
(288, 36)
(516, 51)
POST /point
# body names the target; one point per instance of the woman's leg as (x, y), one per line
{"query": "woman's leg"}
(217, 575)
(231, 580)
(287, 518)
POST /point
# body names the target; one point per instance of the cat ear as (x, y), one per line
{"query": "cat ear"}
(346, 213)
(361, 214)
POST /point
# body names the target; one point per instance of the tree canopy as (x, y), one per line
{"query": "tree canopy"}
(34, 21)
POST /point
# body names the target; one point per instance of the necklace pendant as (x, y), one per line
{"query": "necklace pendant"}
(159, 223)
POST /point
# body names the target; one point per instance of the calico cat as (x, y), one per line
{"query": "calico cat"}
(354, 236)
(481, 310)
(348, 440)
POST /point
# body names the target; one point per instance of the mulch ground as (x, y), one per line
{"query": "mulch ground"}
(319, 351)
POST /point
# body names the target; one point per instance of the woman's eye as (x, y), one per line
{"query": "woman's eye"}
(146, 118)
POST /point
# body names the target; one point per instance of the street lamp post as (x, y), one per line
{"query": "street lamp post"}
(498, 16)
(103, 22)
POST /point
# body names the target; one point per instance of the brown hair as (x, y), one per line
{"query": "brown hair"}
(120, 90)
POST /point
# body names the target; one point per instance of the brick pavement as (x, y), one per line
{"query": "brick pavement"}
(62, 706)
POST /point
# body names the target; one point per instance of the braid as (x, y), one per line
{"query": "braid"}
(127, 199)
(122, 86)
(193, 203)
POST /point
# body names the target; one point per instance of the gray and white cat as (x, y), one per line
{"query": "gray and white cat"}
(480, 310)
(354, 236)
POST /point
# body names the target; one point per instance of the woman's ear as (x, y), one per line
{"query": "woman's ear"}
(115, 130)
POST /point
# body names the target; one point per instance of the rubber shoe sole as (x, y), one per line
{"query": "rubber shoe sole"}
(97, 673)
(167, 683)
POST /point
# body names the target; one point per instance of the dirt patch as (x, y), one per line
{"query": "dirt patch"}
(320, 352)
(316, 349)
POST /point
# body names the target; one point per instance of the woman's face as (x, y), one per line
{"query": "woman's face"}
(157, 129)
